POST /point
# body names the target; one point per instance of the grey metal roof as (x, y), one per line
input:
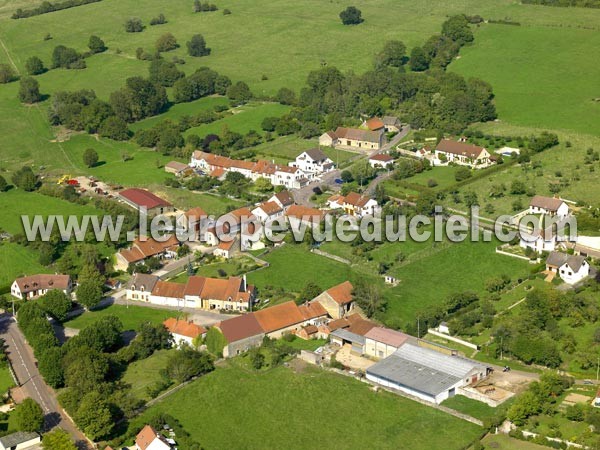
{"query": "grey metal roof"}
(349, 336)
(423, 370)
(12, 440)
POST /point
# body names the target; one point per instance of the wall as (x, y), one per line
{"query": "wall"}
(242, 345)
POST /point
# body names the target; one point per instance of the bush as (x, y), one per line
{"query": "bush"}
(166, 42)
(134, 25)
(7, 74)
(351, 16)
(159, 20)
(197, 46)
(34, 66)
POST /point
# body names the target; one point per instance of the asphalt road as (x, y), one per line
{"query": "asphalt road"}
(32, 384)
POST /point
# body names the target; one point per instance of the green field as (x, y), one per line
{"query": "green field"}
(6, 379)
(146, 372)
(293, 266)
(528, 68)
(16, 261)
(131, 316)
(280, 407)
(504, 442)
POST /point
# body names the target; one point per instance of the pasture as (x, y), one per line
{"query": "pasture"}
(551, 82)
(16, 261)
(145, 373)
(262, 401)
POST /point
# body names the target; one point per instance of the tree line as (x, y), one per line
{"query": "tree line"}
(48, 7)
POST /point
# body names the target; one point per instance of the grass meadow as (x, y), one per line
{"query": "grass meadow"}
(131, 316)
(281, 405)
(146, 372)
(16, 261)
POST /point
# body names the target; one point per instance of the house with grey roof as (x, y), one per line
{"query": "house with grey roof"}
(20, 440)
(426, 374)
(570, 268)
(313, 163)
(548, 205)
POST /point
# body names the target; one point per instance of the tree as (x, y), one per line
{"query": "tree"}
(29, 90)
(3, 184)
(7, 74)
(94, 416)
(134, 25)
(166, 42)
(187, 363)
(462, 173)
(393, 54)
(346, 176)
(310, 291)
(67, 58)
(367, 295)
(197, 46)
(50, 368)
(263, 185)
(286, 96)
(197, 6)
(114, 127)
(89, 294)
(139, 98)
(34, 66)
(56, 304)
(25, 179)
(526, 405)
(58, 440)
(351, 16)
(90, 157)
(164, 72)
(29, 416)
(418, 60)
(517, 187)
(96, 45)
(239, 93)
(457, 29)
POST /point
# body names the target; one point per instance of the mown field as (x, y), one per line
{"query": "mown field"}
(131, 316)
(144, 373)
(281, 406)
(542, 76)
(16, 261)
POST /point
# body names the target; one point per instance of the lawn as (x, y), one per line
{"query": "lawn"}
(504, 442)
(473, 408)
(6, 379)
(232, 267)
(16, 261)
(529, 80)
(17, 203)
(281, 408)
(146, 372)
(244, 118)
(131, 316)
(437, 271)
(293, 266)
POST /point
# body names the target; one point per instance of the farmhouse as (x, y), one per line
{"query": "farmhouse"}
(228, 249)
(21, 440)
(381, 160)
(143, 248)
(328, 139)
(183, 331)
(241, 333)
(267, 211)
(35, 286)
(298, 214)
(427, 374)
(199, 292)
(178, 169)
(141, 199)
(140, 287)
(355, 204)
(337, 300)
(382, 342)
(313, 313)
(280, 319)
(548, 205)
(193, 222)
(389, 124)
(350, 330)
(313, 162)
(149, 439)
(354, 138)
(462, 153)
(570, 268)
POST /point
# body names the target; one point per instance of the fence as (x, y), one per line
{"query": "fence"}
(453, 339)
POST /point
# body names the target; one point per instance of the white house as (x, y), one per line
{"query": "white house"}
(570, 268)
(381, 160)
(193, 221)
(382, 342)
(183, 331)
(539, 241)
(149, 439)
(140, 287)
(313, 163)
(548, 205)
(268, 211)
(35, 286)
(283, 198)
(463, 153)
(426, 374)
(355, 204)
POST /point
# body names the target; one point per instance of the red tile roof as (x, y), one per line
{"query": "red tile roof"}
(43, 281)
(196, 213)
(184, 328)
(146, 437)
(169, 289)
(240, 327)
(375, 124)
(305, 213)
(342, 293)
(270, 208)
(312, 310)
(356, 199)
(141, 197)
(549, 203)
(278, 317)
(381, 157)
